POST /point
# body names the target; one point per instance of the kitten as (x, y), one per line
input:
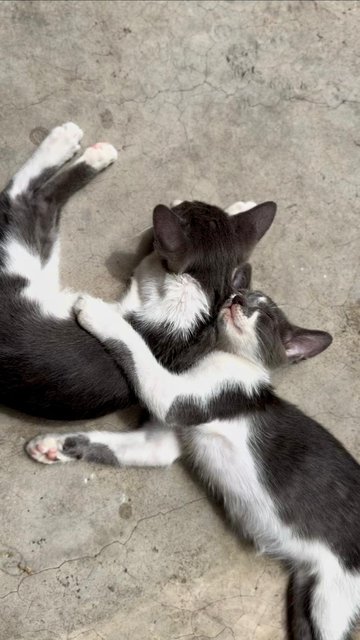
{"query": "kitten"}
(49, 366)
(285, 481)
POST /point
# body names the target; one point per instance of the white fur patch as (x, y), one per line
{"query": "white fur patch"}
(238, 333)
(99, 156)
(149, 446)
(158, 297)
(130, 302)
(43, 287)
(103, 319)
(178, 301)
(336, 600)
(59, 146)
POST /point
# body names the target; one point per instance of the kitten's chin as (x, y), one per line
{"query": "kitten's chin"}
(232, 317)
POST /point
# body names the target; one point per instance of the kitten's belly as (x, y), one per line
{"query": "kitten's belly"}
(220, 453)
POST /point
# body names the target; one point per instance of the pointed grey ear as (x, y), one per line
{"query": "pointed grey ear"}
(168, 234)
(251, 225)
(301, 344)
(242, 277)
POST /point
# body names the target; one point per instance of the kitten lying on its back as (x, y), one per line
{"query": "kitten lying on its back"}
(49, 366)
(285, 481)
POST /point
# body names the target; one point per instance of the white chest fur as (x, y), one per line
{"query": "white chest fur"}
(161, 297)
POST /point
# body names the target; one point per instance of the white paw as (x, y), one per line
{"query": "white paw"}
(99, 156)
(96, 316)
(240, 207)
(175, 203)
(47, 449)
(61, 144)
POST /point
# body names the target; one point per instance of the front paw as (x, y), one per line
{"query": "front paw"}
(96, 316)
(90, 312)
(48, 448)
(56, 447)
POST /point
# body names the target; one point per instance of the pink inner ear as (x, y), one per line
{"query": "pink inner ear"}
(306, 343)
(292, 350)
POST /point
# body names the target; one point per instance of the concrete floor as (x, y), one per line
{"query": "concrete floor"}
(214, 100)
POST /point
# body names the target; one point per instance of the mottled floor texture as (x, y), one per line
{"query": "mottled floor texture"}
(209, 100)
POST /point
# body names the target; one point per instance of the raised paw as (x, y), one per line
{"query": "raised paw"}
(61, 144)
(99, 156)
(240, 207)
(48, 449)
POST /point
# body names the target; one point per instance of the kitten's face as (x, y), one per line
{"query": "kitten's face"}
(206, 243)
(178, 289)
(252, 325)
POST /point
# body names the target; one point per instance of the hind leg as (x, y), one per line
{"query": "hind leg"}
(31, 247)
(94, 159)
(31, 204)
(26, 223)
(50, 199)
(57, 191)
(58, 147)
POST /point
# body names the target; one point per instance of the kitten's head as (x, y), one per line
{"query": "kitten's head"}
(179, 288)
(252, 325)
(207, 243)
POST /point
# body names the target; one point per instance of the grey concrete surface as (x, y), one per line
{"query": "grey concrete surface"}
(214, 100)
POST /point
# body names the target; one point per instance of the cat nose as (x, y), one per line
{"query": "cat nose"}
(238, 299)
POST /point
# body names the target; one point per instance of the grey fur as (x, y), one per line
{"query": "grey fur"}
(80, 448)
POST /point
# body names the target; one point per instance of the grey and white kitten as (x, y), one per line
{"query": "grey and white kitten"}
(284, 480)
(49, 366)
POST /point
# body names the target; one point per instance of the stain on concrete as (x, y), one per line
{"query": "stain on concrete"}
(38, 134)
(11, 560)
(125, 511)
(107, 119)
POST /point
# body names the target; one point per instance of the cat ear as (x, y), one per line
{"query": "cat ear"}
(168, 234)
(251, 225)
(242, 277)
(301, 344)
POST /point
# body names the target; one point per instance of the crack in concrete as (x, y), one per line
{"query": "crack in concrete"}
(106, 546)
(97, 634)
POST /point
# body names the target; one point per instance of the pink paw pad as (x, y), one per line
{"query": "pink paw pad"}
(41, 448)
(52, 454)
